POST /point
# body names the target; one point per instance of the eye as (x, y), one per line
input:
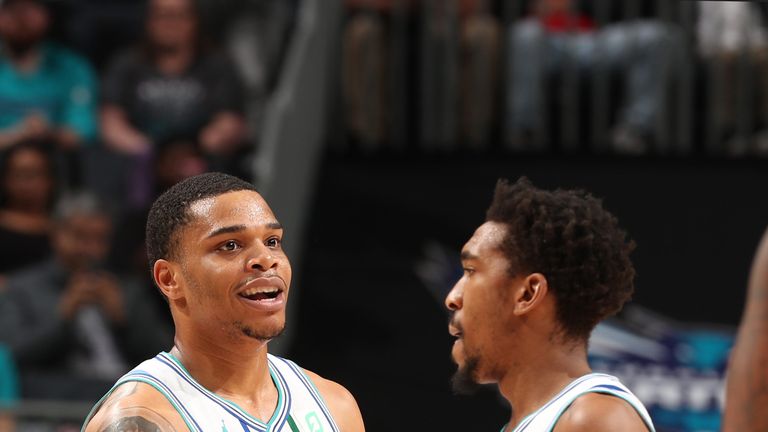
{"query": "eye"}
(468, 271)
(229, 246)
(273, 242)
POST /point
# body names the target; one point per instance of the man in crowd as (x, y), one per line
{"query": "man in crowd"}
(68, 321)
(175, 84)
(46, 91)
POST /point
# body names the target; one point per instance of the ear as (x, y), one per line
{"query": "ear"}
(167, 277)
(530, 294)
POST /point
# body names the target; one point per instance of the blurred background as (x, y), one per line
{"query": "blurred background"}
(376, 129)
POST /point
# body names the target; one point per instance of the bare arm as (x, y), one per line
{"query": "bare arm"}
(224, 133)
(747, 388)
(119, 134)
(595, 412)
(137, 419)
(136, 407)
(342, 404)
(34, 126)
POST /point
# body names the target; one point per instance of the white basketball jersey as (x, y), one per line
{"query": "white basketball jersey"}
(300, 408)
(545, 418)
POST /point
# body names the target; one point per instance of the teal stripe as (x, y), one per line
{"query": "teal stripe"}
(233, 405)
(292, 425)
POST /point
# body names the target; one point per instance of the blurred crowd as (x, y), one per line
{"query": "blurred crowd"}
(625, 77)
(103, 105)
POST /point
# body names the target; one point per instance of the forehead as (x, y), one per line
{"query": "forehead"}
(486, 240)
(87, 221)
(232, 208)
(171, 5)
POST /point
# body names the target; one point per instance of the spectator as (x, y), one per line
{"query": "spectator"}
(732, 39)
(72, 325)
(178, 159)
(26, 194)
(46, 91)
(480, 39)
(8, 391)
(173, 85)
(557, 35)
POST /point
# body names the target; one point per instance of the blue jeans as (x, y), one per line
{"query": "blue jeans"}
(642, 50)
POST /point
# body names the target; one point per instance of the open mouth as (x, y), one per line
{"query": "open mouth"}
(260, 293)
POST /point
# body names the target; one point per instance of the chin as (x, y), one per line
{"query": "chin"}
(262, 331)
(465, 380)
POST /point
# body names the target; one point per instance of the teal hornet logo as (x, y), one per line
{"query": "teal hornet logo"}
(313, 422)
(223, 427)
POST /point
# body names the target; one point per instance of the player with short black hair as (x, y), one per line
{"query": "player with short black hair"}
(215, 248)
(539, 274)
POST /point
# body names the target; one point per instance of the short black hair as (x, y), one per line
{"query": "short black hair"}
(170, 211)
(574, 242)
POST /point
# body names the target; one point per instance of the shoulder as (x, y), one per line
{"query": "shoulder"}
(137, 407)
(597, 412)
(340, 401)
(40, 276)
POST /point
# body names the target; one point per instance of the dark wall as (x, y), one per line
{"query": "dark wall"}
(367, 321)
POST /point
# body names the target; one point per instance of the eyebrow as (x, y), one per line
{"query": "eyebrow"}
(466, 255)
(239, 228)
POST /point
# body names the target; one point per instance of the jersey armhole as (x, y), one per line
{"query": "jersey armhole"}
(320, 399)
(646, 421)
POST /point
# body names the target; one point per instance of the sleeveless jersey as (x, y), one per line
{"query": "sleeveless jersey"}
(300, 408)
(545, 418)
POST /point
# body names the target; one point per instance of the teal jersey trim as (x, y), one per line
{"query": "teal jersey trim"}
(280, 395)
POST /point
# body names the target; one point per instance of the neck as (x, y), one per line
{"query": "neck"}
(547, 368)
(232, 370)
(26, 60)
(174, 61)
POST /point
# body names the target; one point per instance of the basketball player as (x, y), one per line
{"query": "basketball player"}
(539, 274)
(747, 389)
(215, 250)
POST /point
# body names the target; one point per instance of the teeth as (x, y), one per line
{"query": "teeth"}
(259, 290)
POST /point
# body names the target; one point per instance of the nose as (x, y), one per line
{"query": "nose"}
(455, 298)
(261, 260)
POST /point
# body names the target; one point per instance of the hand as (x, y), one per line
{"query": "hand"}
(34, 126)
(225, 132)
(109, 296)
(97, 288)
(132, 143)
(78, 293)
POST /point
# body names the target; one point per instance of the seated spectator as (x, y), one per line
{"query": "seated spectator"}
(177, 159)
(26, 195)
(46, 91)
(173, 85)
(558, 35)
(8, 391)
(72, 326)
(733, 41)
